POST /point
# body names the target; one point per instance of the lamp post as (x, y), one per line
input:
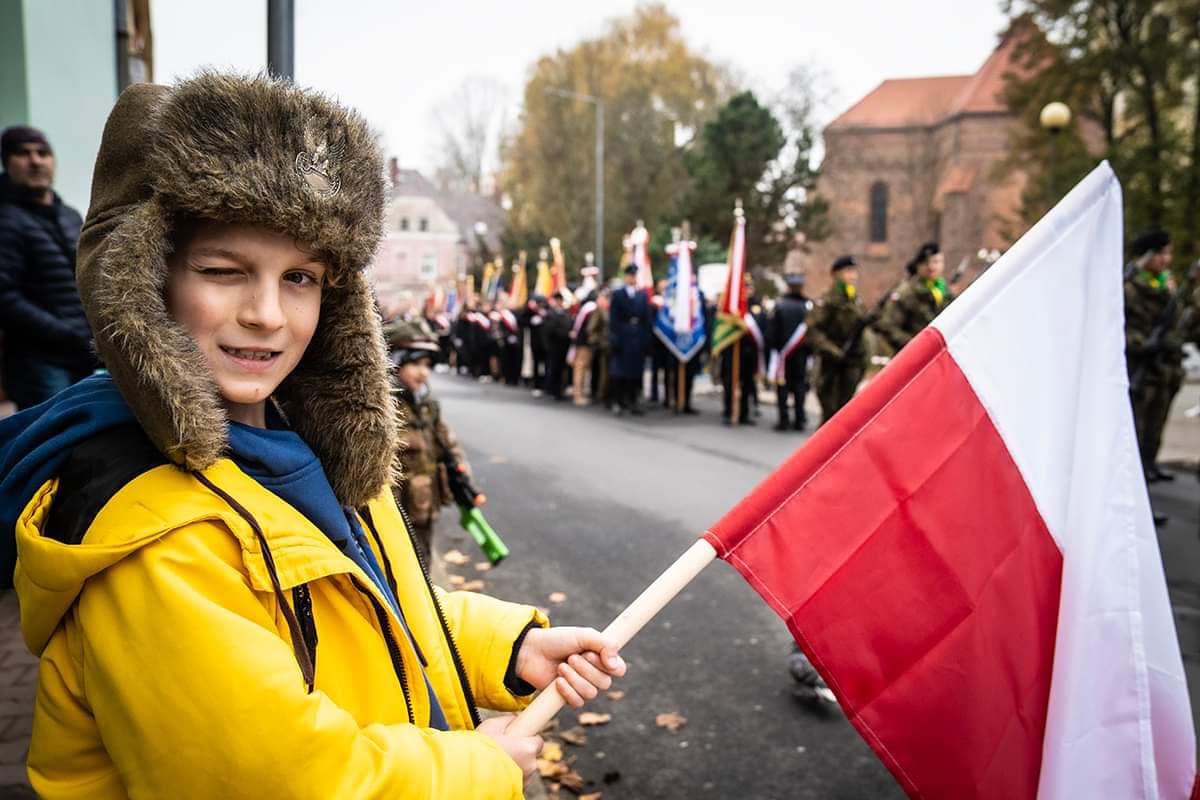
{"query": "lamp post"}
(1054, 117)
(596, 101)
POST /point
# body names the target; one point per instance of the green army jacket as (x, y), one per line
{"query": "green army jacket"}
(833, 320)
(426, 441)
(1145, 300)
(910, 309)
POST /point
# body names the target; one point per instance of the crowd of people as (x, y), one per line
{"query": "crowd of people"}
(599, 345)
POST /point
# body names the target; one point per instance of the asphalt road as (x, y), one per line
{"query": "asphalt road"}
(595, 507)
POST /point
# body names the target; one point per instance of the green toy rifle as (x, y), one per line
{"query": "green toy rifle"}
(468, 499)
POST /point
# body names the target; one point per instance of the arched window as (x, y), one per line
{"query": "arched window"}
(879, 211)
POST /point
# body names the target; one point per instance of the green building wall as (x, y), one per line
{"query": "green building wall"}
(58, 73)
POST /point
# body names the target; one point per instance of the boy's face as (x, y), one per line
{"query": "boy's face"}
(414, 374)
(251, 300)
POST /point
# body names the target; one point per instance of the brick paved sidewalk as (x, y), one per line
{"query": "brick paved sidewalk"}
(18, 679)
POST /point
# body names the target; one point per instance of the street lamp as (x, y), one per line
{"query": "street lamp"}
(587, 98)
(1054, 117)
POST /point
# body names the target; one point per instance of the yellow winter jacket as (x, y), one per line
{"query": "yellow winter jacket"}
(168, 670)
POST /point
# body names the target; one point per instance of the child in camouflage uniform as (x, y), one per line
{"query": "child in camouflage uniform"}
(428, 448)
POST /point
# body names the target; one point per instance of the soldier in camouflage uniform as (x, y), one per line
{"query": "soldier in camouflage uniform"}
(1155, 362)
(917, 301)
(839, 314)
(428, 448)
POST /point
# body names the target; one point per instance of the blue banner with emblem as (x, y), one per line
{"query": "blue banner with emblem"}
(680, 320)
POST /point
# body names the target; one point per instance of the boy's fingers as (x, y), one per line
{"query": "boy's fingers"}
(589, 672)
(569, 695)
(580, 684)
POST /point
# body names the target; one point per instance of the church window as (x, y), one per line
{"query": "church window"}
(879, 211)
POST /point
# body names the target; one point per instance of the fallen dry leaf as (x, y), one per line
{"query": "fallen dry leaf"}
(670, 720)
(616, 694)
(457, 580)
(592, 796)
(483, 566)
(593, 718)
(557, 597)
(551, 769)
(572, 780)
(456, 558)
(575, 736)
(551, 751)
(472, 586)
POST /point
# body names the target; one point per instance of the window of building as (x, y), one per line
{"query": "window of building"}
(428, 266)
(404, 223)
(424, 225)
(879, 211)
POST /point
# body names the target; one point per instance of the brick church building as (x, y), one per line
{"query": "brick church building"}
(914, 160)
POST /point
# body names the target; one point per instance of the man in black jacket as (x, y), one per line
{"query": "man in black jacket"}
(786, 339)
(47, 341)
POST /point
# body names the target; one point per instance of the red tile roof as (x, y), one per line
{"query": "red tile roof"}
(919, 102)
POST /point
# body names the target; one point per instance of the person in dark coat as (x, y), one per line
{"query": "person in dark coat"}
(629, 333)
(785, 337)
(556, 333)
(47, 343)
(531, 319)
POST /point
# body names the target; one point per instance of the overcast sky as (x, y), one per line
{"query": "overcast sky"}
(393, 60)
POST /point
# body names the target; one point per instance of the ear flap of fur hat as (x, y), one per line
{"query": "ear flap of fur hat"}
(250, 151)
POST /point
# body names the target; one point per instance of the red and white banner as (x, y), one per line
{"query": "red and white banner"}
(966, 550)
(585, 311)
(640, 239)
(777, 368)
(733, 300)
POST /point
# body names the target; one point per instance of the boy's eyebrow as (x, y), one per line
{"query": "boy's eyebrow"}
(221, 252)
(234, 255)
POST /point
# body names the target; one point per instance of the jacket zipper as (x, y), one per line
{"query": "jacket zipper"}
(454, 655)
(389, 637)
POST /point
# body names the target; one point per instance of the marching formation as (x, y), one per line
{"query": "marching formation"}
(639, 344)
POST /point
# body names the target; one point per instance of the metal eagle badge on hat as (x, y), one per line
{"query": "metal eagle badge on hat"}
(317, 169)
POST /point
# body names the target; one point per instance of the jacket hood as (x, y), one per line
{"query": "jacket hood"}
(246, 150)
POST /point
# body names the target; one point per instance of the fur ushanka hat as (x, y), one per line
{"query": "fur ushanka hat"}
(255, 151)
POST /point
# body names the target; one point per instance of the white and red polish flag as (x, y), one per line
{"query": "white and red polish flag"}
(966, 551)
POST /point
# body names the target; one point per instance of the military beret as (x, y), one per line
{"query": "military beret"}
(631, 269)
(843, 262)
(1150, 242)
(794, 279)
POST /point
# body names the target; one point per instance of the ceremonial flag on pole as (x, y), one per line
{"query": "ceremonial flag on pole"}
(485, 285)
(544, 284)
(731, 314)
(966, 551)
(519, 292)
(558, 269)
(640, 241)
(679, 323)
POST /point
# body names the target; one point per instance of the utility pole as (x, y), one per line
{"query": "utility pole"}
(281, 38)
(599, 104)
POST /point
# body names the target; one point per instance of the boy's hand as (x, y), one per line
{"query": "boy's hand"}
(522, 749)
(579, 661)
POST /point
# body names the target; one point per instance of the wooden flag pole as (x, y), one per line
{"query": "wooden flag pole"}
(682, 385)
(735, 388)
(547, 704)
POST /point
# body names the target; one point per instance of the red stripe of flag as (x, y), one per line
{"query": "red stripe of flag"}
(906, 555)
